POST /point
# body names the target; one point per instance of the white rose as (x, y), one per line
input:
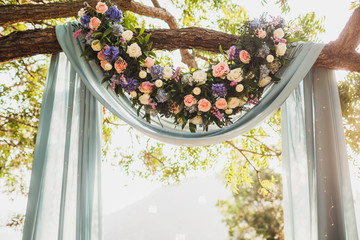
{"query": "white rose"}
(197, 91)
(127, 35)
(270, 58)
(142, 74)
(239, 88)
(265, 81)
(228, 111)
(168, 72)
(279, 33)
(96, 45)
(233, 102)
(281, 49)
(133, 94)
(235, 75)
(144, 99)
(158, 83)
(200, 76)
(197, 120)
(134, 50)
(81, 12)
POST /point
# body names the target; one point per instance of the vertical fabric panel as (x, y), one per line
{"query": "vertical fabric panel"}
(65, 181)
(316, 129)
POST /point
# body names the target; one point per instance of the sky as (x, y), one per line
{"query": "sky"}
(336, 14)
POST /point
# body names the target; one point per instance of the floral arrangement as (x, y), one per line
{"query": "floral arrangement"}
(198, 98)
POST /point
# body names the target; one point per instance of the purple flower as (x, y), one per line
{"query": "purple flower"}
(162, 96)
(111, 54)
(264, 71)
(129, 85)
(263, 51)
(117, 30)
(255, 23)
(219, 89)
(233, 53)
(157, 72)
(114, 14)
(85, 20)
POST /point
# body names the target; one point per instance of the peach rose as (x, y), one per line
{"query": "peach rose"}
(221, 70)
(175, 109)
(101, 7)
(146, 87)
(189, 100)
(106, 65)
(244, 56)
(149, 62)
(120, 65)
(94, 23)
(204, 105)
(221, 103)
(100, 54)
(261, 33)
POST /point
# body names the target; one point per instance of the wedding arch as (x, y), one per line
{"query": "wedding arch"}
(64, 200)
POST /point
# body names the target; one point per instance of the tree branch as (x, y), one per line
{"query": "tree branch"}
(43, 41)
(257, 171)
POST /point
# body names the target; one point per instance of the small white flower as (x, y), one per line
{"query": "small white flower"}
(134, 50)
(127, 35)
(144, 99)
(279, 33)
(96, 45)
(228, 111)
(270, 58)
(197, 120)
(281, 49)
(142, 74)
(239, 88)
(158, 83)
(235, 75)
(265, 81)
(200, 76)
(168, 72)
(81, 12)
(133, 94)
(197, 91)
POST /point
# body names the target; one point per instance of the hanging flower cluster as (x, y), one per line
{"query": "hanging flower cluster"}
(198, 98)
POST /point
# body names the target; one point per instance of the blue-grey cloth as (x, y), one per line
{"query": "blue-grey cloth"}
(64, 201)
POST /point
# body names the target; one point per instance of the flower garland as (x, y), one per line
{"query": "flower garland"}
(197, 98)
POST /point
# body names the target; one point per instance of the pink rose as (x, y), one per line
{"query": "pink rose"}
(221, 103)
(146, 87)
(189, 100)
(101, 7)
(120, 65)
(261, 33)
(94, 23)
(221, 70)
(149, 62)
(244, 56)
(100, 54)
(107, 66)
(204, 105)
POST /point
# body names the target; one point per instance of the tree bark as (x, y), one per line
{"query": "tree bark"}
(36, 12)
(43, 41)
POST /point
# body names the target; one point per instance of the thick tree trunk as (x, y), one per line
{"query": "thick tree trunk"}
(42, 41)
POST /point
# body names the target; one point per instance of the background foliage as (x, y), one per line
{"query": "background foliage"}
(244, 160)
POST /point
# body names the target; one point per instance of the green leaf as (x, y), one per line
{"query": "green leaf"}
(107, 32)
(142, 30)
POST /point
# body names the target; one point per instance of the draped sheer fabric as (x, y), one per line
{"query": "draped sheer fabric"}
(65, 193)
